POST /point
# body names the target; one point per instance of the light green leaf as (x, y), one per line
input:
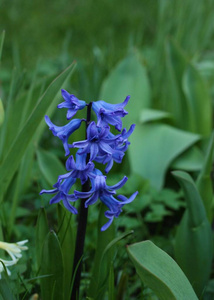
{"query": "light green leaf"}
(154, 147)
(49, 165)
(194, 241)
(190, 160)
(52, 286)
(160, 272)
(1, 112)
(151, 115)
(15, 153)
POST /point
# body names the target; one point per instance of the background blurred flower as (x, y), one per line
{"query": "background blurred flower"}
(14, 250)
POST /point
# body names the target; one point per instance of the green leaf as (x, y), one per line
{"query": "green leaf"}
(52, 286)
(1, 43)
(175, 66)
(5, 290)
(66, 236)
(49, 165)
(160, 272)
(103, 239)
(190, 160)
(151, 115)
(42, 230)
(111, 283)
(1, 112)
(15, 153)
(194, 241)
(128, 78)
(204, 180)
(154, 147)
(199, 105)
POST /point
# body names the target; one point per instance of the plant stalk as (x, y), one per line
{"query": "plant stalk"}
(81, 229)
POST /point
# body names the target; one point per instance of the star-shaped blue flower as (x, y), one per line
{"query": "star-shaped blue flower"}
(63, 132)
(79, 169)
(98, 142)
(110, 113)
(61, 190)
(72, 103)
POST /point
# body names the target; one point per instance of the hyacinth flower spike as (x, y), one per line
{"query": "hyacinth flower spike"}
(72, 103)
(61, 190)
(63, 132)
(110, 113)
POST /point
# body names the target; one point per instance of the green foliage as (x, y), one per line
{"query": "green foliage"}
(204, 180)
(52, 284)
(160, 54)
(194, 241)
(160, 272)
(11, 161)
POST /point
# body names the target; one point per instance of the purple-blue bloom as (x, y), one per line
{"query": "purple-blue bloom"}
(110, 113)
(63, 132)
(79, 169)
(105, 193)
(98, 142)
(72, 103)
(61, 190)
(100, 146)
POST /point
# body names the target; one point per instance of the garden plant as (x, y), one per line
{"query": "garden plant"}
(106, 150)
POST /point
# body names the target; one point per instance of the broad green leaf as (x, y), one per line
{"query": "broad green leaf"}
(154, 147)
(190, 160)
(1, 112)
(199, 105)
(194, 241)
(67, 239)
(204, 181)
(151, 115)
(14, 155)
(128, 78)
(41, 233)
(52, 286)
(50, 166)
(160, 272)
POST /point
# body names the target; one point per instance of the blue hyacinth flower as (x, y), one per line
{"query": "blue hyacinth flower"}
(61, 190)
(98, 142)
(72, 103)
(110, 113)
(115, 207)
(79, 169)
(63, 132)
(100, 190)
